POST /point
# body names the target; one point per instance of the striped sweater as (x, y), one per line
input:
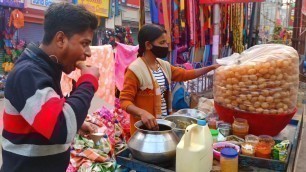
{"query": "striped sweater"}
(39, 123)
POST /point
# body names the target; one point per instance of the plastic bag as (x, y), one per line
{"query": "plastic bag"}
(263, 79)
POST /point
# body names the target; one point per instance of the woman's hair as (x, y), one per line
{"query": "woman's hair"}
(149, 32)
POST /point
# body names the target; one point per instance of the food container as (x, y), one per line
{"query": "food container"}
(240, 127)
(234, 139)
(266, 139)
(194, 113)
(264, 79)
(229, 160)
(181, 122)
(263, 150)
(251, 139)
(154, 146)
(248, 149)
(217, 147)
(212, 121)
(214, 134)
(225, 129)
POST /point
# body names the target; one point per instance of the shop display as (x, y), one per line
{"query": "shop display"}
(263, 79)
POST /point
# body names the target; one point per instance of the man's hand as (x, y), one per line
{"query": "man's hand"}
(87, 128)
(86, 69)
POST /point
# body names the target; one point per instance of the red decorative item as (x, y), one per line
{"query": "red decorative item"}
(260, 124)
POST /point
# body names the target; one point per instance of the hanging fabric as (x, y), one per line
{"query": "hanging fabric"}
(160, 12)
(117, 8)
(16, 19)
(176, 22)
(154, 11)
(167, 23)
(202, 25)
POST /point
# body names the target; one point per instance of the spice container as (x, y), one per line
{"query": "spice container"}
(263, 150)
(229, 160)
(266, 139)
(251, 139)
(212, 121)
(214, 134)
(240, 127)
(224, 129)
(248, 149)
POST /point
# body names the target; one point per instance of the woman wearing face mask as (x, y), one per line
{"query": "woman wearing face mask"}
(146, 93)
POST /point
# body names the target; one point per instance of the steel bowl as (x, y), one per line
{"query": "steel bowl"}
(154, 146)
(181, 122)
(192, 113)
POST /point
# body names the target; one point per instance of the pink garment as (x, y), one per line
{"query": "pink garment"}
(188, 66)
(125, 55)
(160, 12)
(103, 58)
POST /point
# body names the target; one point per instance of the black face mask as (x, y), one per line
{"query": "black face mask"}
(160, 52)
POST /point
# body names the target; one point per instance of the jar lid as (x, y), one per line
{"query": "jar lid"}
(214, 132)
(202, 122)
(229, 153)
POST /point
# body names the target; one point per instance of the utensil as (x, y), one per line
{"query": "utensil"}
(192, 113)
(154, 146)
(181, 122)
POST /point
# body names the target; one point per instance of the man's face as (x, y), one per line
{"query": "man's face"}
(76, 49)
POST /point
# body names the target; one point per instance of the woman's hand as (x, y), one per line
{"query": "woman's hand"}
(215, 66)
(149, 120)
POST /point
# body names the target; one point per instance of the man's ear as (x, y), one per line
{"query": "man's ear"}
(61, 39)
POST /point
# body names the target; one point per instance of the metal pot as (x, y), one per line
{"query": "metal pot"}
(181, 122)
(194, 113)
(154, 146)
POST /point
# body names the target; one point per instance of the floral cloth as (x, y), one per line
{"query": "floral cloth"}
(103, 58)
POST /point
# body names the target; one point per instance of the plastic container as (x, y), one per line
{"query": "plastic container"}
(229, 160)
(251, 139)
(248, 149)
(240, 127)
(224, 129)
(257, 127)
(266, 139)
(263, 150)
(214, 134)
(195, 152)
(221, 145)
(212, 121)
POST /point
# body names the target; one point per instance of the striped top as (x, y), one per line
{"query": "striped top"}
(39, 123)
(161, 79)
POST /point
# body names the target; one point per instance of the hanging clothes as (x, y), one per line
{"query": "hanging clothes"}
(160, 12)
(176, 22)
(103, 58)
(166, 15)
(125, 55)
(154, 11)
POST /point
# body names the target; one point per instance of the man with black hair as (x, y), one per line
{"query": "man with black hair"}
(39, 123)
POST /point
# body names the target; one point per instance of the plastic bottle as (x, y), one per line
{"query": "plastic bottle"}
(195, 152)
(229, 160)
